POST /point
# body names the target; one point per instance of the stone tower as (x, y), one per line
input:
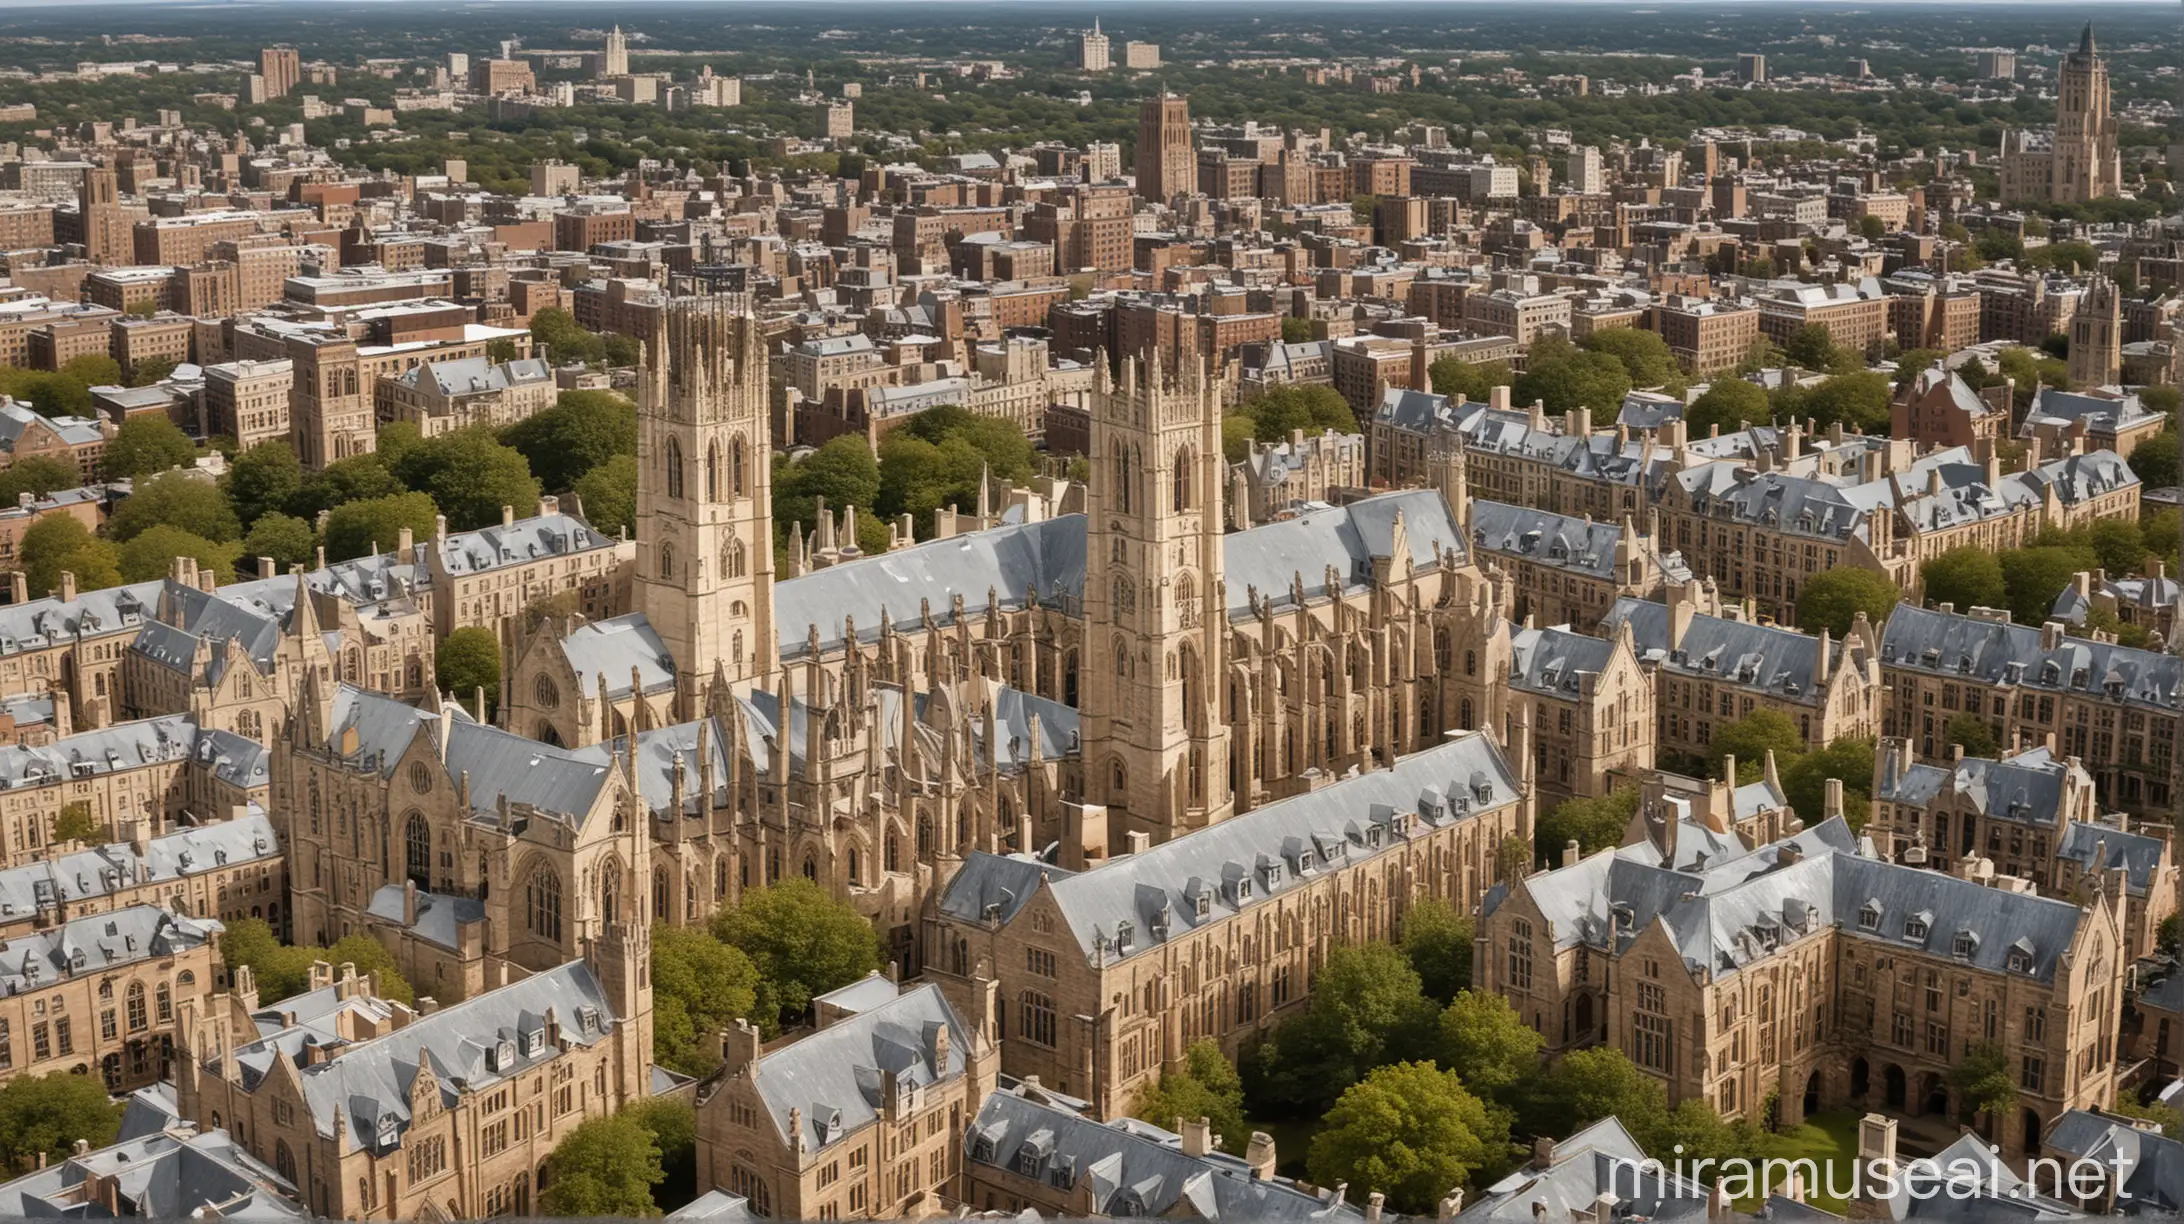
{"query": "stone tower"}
(1167, 165)
(704, 517)
(615, 61)
(2085, 157)
(107, 238)
(1155, 667)
(2096, 337)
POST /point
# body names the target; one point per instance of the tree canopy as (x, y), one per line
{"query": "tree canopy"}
(467, 660)
(1729, 404)
(700, 987)
(176, 499)
(1367, 1006)
(48, 1113)
(802, 942)
(1411, 1132)
(144, 444)
(605, 1167)
(1207, 1087)
(1964, 578)
(581, 431)
(1595, 823)
(1832, 599)
(1750, 738)
(374, 525)
(470, 476)
(1437, 940)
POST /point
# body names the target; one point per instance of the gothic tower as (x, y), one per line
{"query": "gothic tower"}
(704, 517)
(1156, 627)
(106, 234)
(2096, 337)
(2086, 165)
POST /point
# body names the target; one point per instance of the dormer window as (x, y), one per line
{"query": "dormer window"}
(1205, 903)
(1125, 931)
(2020, 960)
(1243, 889)
(1964, 945)
(1869, 916)
(1915, 927)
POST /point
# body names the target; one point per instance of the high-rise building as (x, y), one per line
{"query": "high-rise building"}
(281, 68)
(1141, 56)
(1585, 174)
(1752, 68)
(615, 61)
(1998, 65)
(1092, 49)
(1167, 164)
(2080, 162)
(2096, 336)
(107, 238)
(458, 66)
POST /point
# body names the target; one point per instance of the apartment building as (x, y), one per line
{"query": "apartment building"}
(1706, 335)
(248, 400)
(443, 396)
(1856, 315)
(101, 993)
(1589, 703)
(1568, 570)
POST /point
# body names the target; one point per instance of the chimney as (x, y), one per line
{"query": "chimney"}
(409, 903)
(1195, 1134)
(508, 516)
(1832, 805)
(1138, 840)
(1543, 1153)
(68, 587)
(1450, 1206)
(1260, 1156)
(739, 1047)
(1372, 1206)
(1572, 852)
(18, 587)
(405, 541)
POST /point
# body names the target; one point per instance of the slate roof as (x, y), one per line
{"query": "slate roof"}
(368, 1082)
(1134, 1168)
(463, 553)
(616, 648)
(440, 918)
(2077, 479)
(714, 1205)
(1782, 663)
(556, 782)
(2137, 854)
(2053, 408)
(1233, 865)
(1543, 537)
(45, 622)
(1991, 652)
(833, 1077)
(477, 375)
(1600, 1159)
(101, 870)
(2152, 1165)
(96, 943)
(1549, 661)
(2025, 789)
(129, 745)
(159, 1176)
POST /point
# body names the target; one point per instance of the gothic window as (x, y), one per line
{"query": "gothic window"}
(1182, 499)
(712, 471)
(659, 894)
(139, 1020)
(925, 837)
(543, 898)
(417, 849)
(1125, 596)
(1186, 601)
(735, 468)
(610, 899)
(547, 692)
(853, 865)
(667, 562)
(1122, 656)
(1069, 681)
(731, 560)
(894, 852)
(1037, 1022)
(674, 468)
(1119, 791)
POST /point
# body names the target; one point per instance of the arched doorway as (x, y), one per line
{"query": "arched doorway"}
(1893, 1077)
(1861, 1079)
(1935, 1094)
(1812, 1094)
(2032, 1132)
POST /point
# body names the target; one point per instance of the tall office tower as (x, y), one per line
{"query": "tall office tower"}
(1167, 164)
(282, 69)
(458, 66)
(2086, 164)
(2096, 337)
(1752, 68)
(106, 234)
(1585, 174)
(616, 60)
(1092, 49)
(1998, 65)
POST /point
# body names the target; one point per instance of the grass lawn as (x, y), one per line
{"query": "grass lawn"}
(1825, 1139)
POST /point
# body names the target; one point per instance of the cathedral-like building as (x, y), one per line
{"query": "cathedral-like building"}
(2081, 161)
(1068, 687)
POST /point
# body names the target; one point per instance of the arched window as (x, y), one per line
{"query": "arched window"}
(542, 896)
(610, 894)
(138, 1020)
(1036, 1022)
(1123, 477)
(853, 864)
(1122, 656)
(659, 894)
(667, 562)
(674, 468)
(548, 693)
(1182, 499)
(731, 560)
(163, 999)
(894, 852)
(735, 468)
(1186, 601)
(284, 1161)
(417, 849)
(712, 471)
(1125, 597)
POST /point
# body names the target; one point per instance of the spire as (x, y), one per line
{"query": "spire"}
(2085, 40)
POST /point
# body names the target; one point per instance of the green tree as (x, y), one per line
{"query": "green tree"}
(2161, 529)
(467, 660)
(1805, 780)
(1964, 578)
(1588, 1085)
(284, 537)
(1832, 599)
(1694, 1131)
(151, 371)
(608, 495)
(1207, 1087)
(581, 431)
(2155, 461)
(1595, 824)
(1872, 228)
(1750, 738)
(278, 970)
(369, 956)
(1367, 1007)
(605, 1167)
(1861, 402)
(2167, 1117)
(470, 475)
(1973, 733)
(1411, 1132)
(700, 987)
(2033, 577)
(57, 543)
(1982, 1080)
(2119, 543)
(1565, 377)
(77, 823)
(1277, 412)
(264, 479)
(1474, 380)
(1437, 939)
(151, 553)
(38, 475)
(1645, 355)
(2161, 400)
(843, 472)
(47, 1114)
(1238, 432)
(556, 329)
(366, 528)
(357, 478)
(1911, 363)
(176, 499)
(1296, 330)
(1729, 404)
(1498, 1051)
(1811, 347)
(147, 443)
(673, 1122)
(803, 942)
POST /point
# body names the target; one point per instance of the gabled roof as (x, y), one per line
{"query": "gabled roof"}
(1993, 652)
(833, 1078)
(1779, 662)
